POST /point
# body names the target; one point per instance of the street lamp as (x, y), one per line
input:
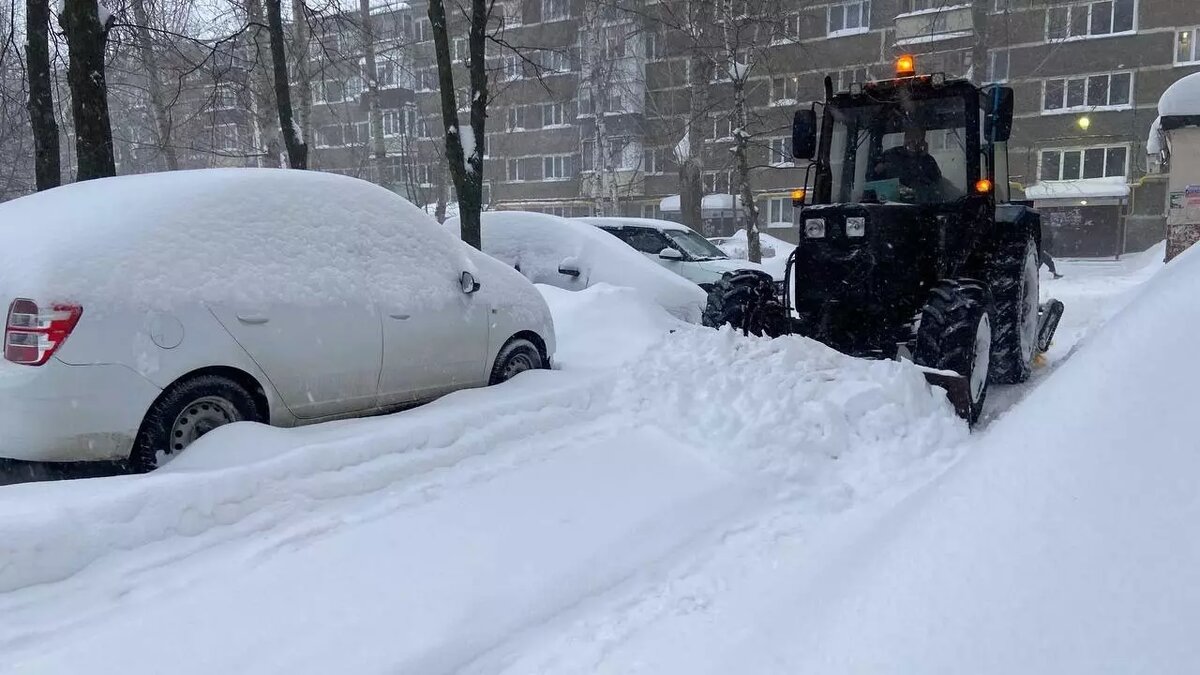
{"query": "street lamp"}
(1084, 122)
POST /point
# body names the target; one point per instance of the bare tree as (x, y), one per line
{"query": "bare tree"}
(261, 83)
(158, 104)
(300, 42)
(464, 148)
(47, 169)
(86, 28)
(297, 149)
(370, 77)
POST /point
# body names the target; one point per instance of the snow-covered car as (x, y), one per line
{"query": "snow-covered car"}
(148, 310)
(574, 255)
(675, 247)
(735, 247)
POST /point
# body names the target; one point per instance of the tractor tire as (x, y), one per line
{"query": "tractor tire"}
(955, 334)
(748, 301)
(1014, 279)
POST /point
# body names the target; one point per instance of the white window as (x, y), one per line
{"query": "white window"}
(553, 114)
(513, 67)
(779, 210)
(226, 137)
(922, 5)
(718, 182)
(653, 211)
(585, 102)
(516, 118)
(386, 74)
(510, 14)
(722, 128)
(848, 18)
(655, 46)
(555, 60)
(845, 78)
(1073, 164)
(1000, 6)
(462, 52)
(1091, 19)
(1089, 92)
(557, 167)
(614, 45)
(329, 91)
(998, 66)
(514, 170)
(613, 102)
(393, 123)
(422, 30)
(225, 97)
(587, 155)
(785, 90)
(789, 28)
(423, 128)
(330, 136)
(780, 152)
(1185, 46)
(553, 10)
(656, 161)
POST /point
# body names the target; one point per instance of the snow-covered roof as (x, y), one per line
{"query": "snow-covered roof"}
(717, 202)
(1154, 142)
(1181, 98)
(1084, 188)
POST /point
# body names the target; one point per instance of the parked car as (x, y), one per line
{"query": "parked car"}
(735, 246)
(676, 247)
(150, 309)
(573, 255)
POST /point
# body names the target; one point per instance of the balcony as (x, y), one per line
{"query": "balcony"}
(934, 25)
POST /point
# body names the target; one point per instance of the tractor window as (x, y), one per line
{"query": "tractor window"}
(912, 151)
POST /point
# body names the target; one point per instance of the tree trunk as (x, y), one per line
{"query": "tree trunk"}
(300, 39)
(262, 94)
(741, 143)
(86, 37)
(297, 150)
(374, 112)
(46, 160)
(162, 118)
(691, 169)
(466, 169)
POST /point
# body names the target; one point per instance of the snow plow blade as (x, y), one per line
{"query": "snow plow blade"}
(1049, 314)
(958, 388)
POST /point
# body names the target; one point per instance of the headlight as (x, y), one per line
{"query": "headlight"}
(814, 228)
(856, 226)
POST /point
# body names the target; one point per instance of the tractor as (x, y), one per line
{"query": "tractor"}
(909, 244)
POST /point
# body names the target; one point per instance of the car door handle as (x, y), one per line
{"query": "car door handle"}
(253, 319)
(400, 317)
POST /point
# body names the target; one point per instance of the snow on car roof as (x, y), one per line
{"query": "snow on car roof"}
(652, 223)
(1181, 98)
(223, 235)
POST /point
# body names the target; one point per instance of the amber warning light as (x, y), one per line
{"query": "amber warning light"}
(797, 196)
(983, 186)
(905, 65)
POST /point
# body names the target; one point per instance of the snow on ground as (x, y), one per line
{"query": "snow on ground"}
(674, 499)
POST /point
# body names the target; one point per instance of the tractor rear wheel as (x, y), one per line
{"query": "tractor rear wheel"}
(1015, 287)
(955, 334)
(746, 300)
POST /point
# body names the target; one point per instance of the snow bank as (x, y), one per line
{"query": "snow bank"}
(537, 244)
(1065, 542)
(608, 325)
(223, 235)
(736, 247)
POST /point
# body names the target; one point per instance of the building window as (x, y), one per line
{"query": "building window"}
(226, 137)
(555, 60)
(386, 74)
(512, 67)
(613, 103)
(779, 210)
(553, 10)
(1185, 46)
(585, 102)
(656, 161)
(655, 46)
(514, 119)
(1108, 91)
(998, 66)
(422, 30)
(789, 28)
(1091, 19)
(1000, 6)
(785, 90)
(392, 123)
(461, 52)
(587, 155)
(225, 97)
(614, 45)
(1074, 164)
(848, 18)
(554, 115)
(844, 78)
(923, 5)
(514, 171)
(718, 182)
(329, 91)
(557, 167)
(722, 128)
(653, 211)
(780, 152)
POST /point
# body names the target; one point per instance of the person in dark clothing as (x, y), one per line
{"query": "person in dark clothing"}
(1047, 237)
(912, 165)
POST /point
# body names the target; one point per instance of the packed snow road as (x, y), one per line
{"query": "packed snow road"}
(591, 519)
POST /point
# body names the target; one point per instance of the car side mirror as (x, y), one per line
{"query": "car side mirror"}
(569, 267)
(804, 134)
(469, 285)
(998, 117)
(670, 254)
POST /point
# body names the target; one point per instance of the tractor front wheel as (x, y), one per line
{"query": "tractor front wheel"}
(1014, 280)
(955, 335)
(748, 301)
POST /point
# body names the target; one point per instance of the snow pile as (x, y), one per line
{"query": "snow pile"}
(776, 263)
(607, 325)
(1181, 98)
(538, 245)
(247, 236)
(1065, 542)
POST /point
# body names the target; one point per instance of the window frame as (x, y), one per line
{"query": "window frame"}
(1082, 150)
(864, 18)
(562, 172)
(1071, 10)
(514, 166)
(1195, 56)
(992, 54)
(1085, 106)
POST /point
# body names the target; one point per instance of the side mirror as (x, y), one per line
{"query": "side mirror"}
(998, 116)
(804, 134)
(670, 254)
(569, 267)
(468, 283)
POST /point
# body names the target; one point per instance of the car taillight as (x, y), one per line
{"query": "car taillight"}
(33, 334)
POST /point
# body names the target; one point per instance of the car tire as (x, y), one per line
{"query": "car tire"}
(1014, 277)
(186, 411)
(516, 356)
(955, 334)
(748, 301)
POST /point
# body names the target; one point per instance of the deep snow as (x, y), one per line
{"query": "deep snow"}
(674, 499)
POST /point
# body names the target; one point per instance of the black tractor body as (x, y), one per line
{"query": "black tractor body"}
(908, 241)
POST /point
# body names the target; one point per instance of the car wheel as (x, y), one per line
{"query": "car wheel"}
(185, 412)
(517, 356)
